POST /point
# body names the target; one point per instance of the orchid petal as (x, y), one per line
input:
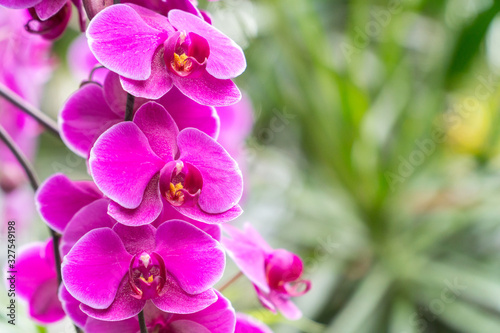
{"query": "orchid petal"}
(195, 259)
(222, 179)
(123, 172)
(94, 267)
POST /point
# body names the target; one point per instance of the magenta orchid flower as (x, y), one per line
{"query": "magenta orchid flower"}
(216, 318)
(115, 272)
(36, 281)
(247, 324)
(152, 54)
(93, 109)
(188, 169)
(52, 27)
(81, 60)
(94, 216)
(50, 17)
(275, 274)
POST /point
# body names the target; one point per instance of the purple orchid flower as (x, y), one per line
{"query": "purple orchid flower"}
(275, 274)
(218, 317)
(188, 169)
(36, 281)
(52, 27)
(93, 109)
(247, 324)
(152, 54)
(51, 16)
(94, 216)
(114, 272)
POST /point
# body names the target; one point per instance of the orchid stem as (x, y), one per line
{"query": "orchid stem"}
(33, 179)
(129, 109)
(230, 282)
(27, 108)
(25, 164)
(142, 322)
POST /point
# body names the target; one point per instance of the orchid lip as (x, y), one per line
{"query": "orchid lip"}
(181, 184)
(190, 54)
(147, 275)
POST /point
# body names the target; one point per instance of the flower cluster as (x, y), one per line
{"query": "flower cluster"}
(161, 125)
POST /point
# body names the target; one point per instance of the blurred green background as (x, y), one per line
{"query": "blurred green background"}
(375, 156)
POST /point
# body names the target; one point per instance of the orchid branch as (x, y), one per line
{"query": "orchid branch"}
(230, 282)
(27, 108)
(142, 322)
(129, 109)
(33, 179)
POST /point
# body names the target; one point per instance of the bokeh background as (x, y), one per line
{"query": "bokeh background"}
(375, 155)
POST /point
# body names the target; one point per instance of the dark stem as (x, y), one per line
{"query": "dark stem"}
(25, 164)
(116, 2)
(142, 322)
(230, 282)
(92, 72)
(129, 109)
(57, 255)
(30, 172)
(38, 115)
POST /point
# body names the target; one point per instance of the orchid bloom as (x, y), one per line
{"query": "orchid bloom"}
(51, 27)
(49, 17)
(275, 273)
(115, 272)
(188, 169)
(93, 109)
(36, 281)
(153, 53)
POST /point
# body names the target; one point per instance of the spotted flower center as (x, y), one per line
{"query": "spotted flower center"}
(190, 53)
(182, 63)
(174, 194)
(181, 186)
(147, 275)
